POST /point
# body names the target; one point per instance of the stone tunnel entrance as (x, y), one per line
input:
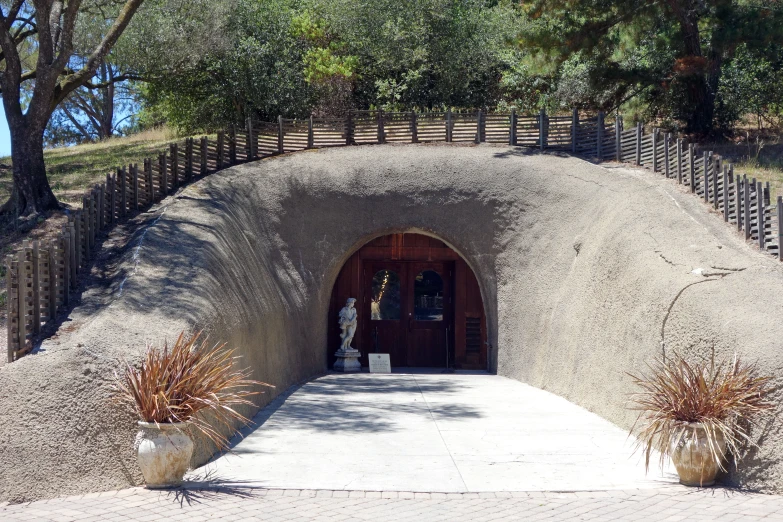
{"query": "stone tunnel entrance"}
(418, 301)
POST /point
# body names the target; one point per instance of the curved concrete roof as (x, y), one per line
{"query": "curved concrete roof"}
(586, 271)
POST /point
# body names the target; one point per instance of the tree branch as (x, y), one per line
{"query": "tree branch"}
(112, 81)
(82, 76)
(76, 124)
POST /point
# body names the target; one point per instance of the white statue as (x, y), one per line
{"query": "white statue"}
(348, 324)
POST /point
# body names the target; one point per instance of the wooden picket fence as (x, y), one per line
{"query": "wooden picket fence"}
(42, 274)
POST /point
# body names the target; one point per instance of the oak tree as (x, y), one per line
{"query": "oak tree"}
(37, 44)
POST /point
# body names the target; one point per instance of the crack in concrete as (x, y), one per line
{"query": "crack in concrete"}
(669, 310)
(593, 182)
(668, 261)
(728, 269)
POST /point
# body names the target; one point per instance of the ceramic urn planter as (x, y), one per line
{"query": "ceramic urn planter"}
(693, 459)
(164, 454)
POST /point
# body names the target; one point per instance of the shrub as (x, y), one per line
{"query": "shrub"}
(177, 383)
(721, 397)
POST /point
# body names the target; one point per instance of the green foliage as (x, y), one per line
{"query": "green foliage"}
(670, 55)
(751, 84)
(426, 53)
(257, 71)
(294, 57)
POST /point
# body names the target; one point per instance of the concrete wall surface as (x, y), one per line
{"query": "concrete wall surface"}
(586, 271)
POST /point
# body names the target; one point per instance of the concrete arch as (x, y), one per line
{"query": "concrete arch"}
(590, 271)
(489, 306)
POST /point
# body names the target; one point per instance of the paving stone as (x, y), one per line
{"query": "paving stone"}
(301, 505)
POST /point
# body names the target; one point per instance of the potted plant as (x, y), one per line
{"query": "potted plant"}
(190, 384)
(694, 412)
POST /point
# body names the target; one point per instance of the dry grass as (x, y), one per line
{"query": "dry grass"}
(758, 156)
(675, 392)
(191, 377)
(72, 170)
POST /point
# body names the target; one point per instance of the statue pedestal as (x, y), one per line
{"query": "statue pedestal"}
(347, 361)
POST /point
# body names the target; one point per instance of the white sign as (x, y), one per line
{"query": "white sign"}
(379, 363)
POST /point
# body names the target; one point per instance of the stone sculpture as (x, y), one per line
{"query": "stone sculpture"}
(347, 324)
(347, 357)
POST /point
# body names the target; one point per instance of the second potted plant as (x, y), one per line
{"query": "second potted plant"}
(696, 413)
(172, 390)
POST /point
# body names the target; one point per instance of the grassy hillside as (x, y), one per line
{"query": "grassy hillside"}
(760, 158)
(72, 170)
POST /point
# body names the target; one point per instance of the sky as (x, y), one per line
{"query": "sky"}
(5, 136)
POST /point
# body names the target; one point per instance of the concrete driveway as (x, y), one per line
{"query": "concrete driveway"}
(432, 432)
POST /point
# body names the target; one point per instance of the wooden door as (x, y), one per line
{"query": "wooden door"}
(385, 306)
(429, 313)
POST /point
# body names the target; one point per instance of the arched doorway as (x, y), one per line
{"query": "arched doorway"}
(417, 300)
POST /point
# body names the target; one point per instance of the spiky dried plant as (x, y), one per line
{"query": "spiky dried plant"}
(675, 393)
(174, 384)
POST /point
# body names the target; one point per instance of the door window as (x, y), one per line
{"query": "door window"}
(385, 304)
(428, 296)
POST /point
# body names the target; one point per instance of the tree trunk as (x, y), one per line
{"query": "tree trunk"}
(702, 70)
(700, 105)
(31, 193)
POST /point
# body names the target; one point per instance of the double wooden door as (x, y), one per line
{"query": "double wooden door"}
(410, 311)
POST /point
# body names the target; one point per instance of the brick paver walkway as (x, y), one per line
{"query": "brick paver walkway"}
(238, 503)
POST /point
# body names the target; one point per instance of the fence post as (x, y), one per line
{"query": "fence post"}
(738, 201)
(249, 146)
(706, 160)
(232, 145)
(349, 128)
(10, 302)
(639, 131)
(123, 191)
(221, 146)
(164, 175)
(478, 127)
(148, 182)
(72, 249)
(760, 214)
(310, 136)
(746, 206)
(101, 208)
(414, 128)
(448, 126)
(618, 137)
(66, 246)
(599, 142)
(54, 264)
(541, 129)
(726, 180)
(574, 129)
(78, 240)
(679, 161)
(174, 151)
(204, 145)
(280, 135)
(766, 194)
(94, 222)
(381, 132)
(23, 272)
(86, 226)
(512, 132)
(112, 181)
(715, 173)
(188, 159)
(692, 167)
(36, 289)
(780, 228)
(655, 149)
(667, 143)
